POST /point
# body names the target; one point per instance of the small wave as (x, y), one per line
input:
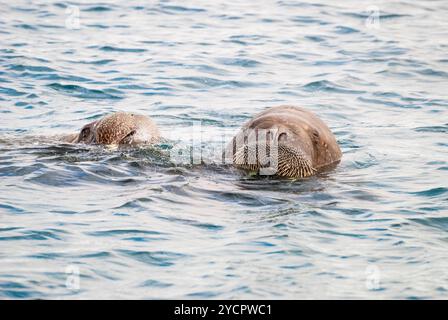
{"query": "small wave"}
(328, 86)
(123, 232)
(155, 284)
(177, 9)
(369, 161)
(100, 62)
(205, 82)
(204, 294)
(194, 223)
(54, 77)
(33, 235)
(308, 20)
(86, 93)
(433, 73)
(97, 9)
(17, 290)
(433, 192)
(98, 26)
(26, 26)
(315, 38)
(383, 15)
(21, 67)
(136, 87)
(246, 63)
(94, 255)
(154, 258)
(228, 17)
(435, 222)
(117, 49)
(345, 30)
(438, 129)
(11, 92)
(11, 208)
(388, 103)
(46, 256)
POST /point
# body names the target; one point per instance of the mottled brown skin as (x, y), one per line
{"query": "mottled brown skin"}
(305, 143)
(117, 129)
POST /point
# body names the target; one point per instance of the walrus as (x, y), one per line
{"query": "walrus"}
(119, 128)
(285, 141)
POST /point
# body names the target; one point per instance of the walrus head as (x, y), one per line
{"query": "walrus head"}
(119, 128)
(274, 150)
(286, 141)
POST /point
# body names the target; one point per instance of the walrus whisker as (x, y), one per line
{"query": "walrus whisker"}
(290, 163)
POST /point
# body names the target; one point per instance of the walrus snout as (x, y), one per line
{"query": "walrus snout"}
(119, 128)
(273, 152)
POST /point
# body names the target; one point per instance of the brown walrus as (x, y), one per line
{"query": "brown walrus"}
(118, 128)
(285, 141)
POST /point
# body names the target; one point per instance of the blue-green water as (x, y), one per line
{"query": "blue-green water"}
(137, 226)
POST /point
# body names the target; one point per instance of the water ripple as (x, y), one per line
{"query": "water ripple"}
(154, 258)
(86, 93)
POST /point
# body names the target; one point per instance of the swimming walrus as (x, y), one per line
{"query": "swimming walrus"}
(284, 141)
(117, 129)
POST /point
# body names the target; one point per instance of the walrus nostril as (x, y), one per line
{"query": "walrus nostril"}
(282, 137)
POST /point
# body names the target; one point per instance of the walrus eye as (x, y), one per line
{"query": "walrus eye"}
(129, 138)
(84, 133)
(315, 136)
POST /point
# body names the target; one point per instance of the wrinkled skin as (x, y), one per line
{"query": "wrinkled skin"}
(120, 128)
(293, 142)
